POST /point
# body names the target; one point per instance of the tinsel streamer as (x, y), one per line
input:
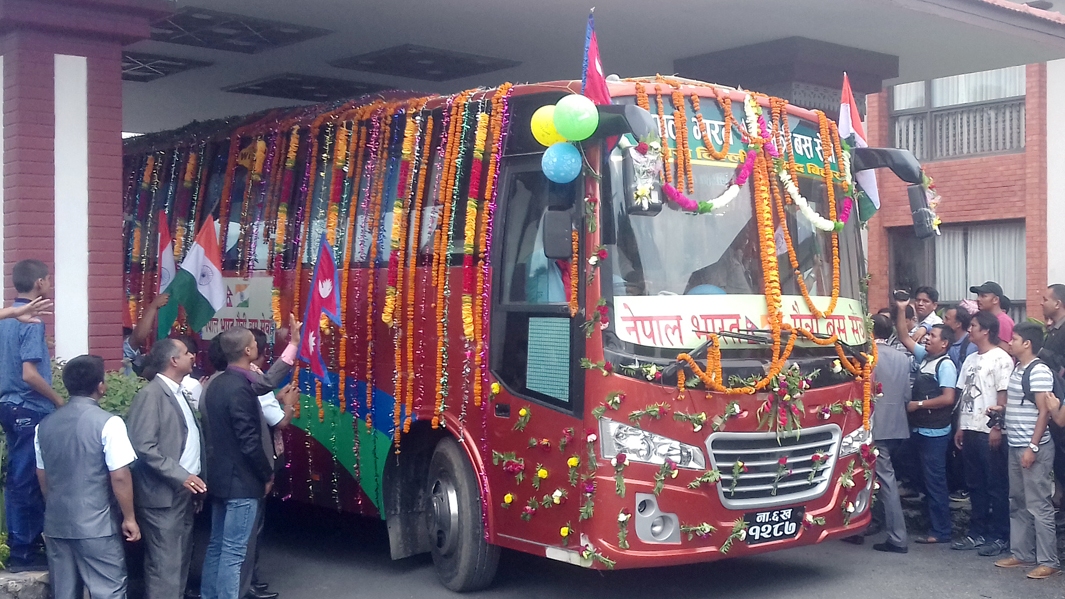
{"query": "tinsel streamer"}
(356, 143)
(227, 187)
(470, 234)
(408, 289)
(399, 218)
(498, 124)
(365, 274)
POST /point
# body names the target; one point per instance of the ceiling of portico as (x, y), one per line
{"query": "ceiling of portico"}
(931, 38)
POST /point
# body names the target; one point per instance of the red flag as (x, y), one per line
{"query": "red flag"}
(322, 298)
(593, 82)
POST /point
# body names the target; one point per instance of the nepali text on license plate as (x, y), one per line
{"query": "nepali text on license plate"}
(773, 525)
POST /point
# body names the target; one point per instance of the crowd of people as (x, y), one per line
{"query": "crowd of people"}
(80, 480)
(969, 411)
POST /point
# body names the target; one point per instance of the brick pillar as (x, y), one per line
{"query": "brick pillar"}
(62, 157)
(1035, 187)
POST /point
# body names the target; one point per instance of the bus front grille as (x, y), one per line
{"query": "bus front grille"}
(760, 454)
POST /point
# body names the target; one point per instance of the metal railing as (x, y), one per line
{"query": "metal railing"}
(985, 128)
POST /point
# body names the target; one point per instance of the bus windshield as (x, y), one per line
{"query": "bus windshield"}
(684, 267)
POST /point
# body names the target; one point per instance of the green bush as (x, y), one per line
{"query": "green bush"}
(120, 389)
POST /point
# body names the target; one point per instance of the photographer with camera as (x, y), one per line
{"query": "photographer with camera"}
(982, 382)
(930, 409)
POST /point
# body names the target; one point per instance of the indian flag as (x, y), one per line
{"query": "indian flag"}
(165, 248)
(198, 285)
(850, 127)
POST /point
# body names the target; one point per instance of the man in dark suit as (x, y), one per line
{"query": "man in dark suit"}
(239, 471)
(166, 482)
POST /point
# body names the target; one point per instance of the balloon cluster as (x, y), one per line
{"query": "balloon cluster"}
(574, 118)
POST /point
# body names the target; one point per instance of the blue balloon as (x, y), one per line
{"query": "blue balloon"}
(561, 162)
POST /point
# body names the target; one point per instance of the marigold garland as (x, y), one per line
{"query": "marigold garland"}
(410, 286)
(641, 97)
(399, 217)
(730, 121)
(373, 220)
(470, 233)
(484, 238)
(680, 124)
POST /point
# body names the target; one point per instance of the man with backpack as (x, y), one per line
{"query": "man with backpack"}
(1033, 536)
(930, 408)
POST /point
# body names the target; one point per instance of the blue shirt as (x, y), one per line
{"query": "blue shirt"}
(955, 350)
(23, 342)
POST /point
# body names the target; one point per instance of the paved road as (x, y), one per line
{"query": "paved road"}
(313, 554)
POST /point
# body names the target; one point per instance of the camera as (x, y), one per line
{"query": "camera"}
(996, 418)
(901, 295)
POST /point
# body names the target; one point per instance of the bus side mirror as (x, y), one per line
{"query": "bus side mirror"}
(922, 215)
(558, 235)
(901, 162)
(619, 119)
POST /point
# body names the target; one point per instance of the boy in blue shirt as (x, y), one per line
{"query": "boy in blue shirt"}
(26, 397)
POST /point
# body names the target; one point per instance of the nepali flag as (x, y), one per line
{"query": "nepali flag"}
(322, 298)
(850, 128)
(593, 82)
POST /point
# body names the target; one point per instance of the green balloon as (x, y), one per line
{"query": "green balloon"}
(576, 117)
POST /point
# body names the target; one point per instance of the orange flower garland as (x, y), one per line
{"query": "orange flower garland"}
(830, 193)
(726, 110)
(374, 219)
(641, 97)
(412, 269)
(470, 234)
(441, 249)
(318, 399)
(680, 124)
(496, 134)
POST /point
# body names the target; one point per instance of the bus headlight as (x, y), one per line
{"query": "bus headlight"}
(641, 446)
(854, 441)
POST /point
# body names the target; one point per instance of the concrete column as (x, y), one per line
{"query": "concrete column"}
(1055, 173)
(62, 157)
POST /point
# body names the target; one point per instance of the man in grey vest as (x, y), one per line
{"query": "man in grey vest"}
(890, 427)
(169, 445)
(83, 458)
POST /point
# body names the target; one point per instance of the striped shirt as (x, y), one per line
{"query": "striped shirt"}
(1021, 416)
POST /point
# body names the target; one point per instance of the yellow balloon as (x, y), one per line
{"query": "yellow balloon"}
(543, 126)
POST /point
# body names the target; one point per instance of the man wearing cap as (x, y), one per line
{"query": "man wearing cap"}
(990, 298)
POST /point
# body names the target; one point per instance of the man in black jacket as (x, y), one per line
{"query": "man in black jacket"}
(238, 470)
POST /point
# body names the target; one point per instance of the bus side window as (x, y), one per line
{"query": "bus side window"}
(534, 337)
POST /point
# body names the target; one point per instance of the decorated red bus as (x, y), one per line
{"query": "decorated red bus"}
(646, 347)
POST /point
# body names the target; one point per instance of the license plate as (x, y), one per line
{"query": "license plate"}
(773, 525)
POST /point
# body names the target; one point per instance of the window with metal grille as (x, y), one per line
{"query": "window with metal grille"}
(963, 115)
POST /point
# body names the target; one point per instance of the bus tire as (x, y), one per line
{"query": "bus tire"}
(464, 560)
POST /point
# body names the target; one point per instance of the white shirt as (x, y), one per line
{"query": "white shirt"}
(271, 408)
(190, 456)
(981, 377)
(195, 389)
(118, 451)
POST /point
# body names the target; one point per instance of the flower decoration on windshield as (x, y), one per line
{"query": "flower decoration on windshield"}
(595, 261)
(932, 199)
(623, 528)
(591, 213)
(646, 156)
(783, 471)
(619, 462)
(648, 371)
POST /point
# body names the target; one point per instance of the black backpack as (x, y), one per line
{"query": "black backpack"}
(1056, 432)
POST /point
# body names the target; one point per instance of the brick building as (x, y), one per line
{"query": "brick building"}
(984, 138)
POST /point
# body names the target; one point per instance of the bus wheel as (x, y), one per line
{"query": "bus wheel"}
(464, 560)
